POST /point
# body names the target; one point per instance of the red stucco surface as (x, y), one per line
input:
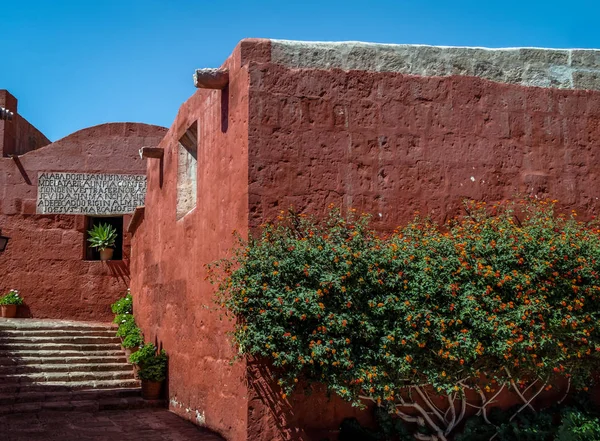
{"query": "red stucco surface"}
(17, 136)
(392, 144)
(45, 256)
(385, 143)
(173, 302)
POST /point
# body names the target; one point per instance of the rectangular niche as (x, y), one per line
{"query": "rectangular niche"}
(187, 167)
(114, 221)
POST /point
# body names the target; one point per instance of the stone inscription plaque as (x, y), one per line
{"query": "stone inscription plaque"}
(88, 193)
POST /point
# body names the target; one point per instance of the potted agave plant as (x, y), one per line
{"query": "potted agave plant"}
(103, 237)
(9, 304)
(152, 369)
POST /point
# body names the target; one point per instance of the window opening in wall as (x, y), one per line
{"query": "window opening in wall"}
(187, 167)
(117, 223)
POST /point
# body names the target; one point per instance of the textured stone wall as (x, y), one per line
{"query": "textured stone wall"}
(392, 144)
(28, 137)
(45, 255)
(560, 68)
(18, 136)
(174, 303)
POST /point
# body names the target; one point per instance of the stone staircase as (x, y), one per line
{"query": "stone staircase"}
(64, 365)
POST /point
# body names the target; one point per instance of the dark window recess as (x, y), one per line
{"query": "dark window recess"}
(117, 222)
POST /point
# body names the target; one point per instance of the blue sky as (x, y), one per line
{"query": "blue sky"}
(74, 64)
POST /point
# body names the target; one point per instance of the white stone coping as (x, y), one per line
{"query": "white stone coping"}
(556, 68)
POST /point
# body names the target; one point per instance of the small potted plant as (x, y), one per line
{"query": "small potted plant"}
(130, 334)
(9, 303)
(103, 237)
(128, 331)
(152, 369)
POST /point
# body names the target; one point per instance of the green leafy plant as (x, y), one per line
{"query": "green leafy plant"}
(503, 298)
(11, 298)
(152, 363)
(124, 305)
(528, 427)
(571, 423)
(390, 427)
(133, 339)
(127, 330)
(102, 236)
(578, 425)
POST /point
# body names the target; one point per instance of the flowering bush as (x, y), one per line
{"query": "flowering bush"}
(502, 297)
(11, 298)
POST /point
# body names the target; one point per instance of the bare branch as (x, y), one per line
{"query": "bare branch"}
(528, 403)
(432, 425)
(436, 411)
(463, 407)
(483, 410)
(410, 418)
(530, 386)
(516, 389)
(567, 392)
(423, 437)
(452, 411)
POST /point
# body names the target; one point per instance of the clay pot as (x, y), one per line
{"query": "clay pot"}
(151, 390)
(106, 254)
(8, 311)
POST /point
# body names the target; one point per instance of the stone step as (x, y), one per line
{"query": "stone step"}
(57, 333)
(71, 367)
(68, 395)
(61, 386)
(82, 405)
(45, 353)
(61, 359)
(65, 366)
(35, 324)
(28, 341)
(86, 347)
(39, 377)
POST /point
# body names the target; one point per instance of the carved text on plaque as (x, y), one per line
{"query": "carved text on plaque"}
(89, 193)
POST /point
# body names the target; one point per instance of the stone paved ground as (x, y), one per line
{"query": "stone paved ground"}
(112, 425)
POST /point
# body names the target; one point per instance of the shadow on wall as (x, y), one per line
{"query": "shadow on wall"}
(120, 269)
(260, 382)
(225, 109)
(23, 311)
(308, 415)
(165, 392)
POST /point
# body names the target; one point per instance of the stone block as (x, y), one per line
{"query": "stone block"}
(544, 56)
(585, 58)
(586, 80)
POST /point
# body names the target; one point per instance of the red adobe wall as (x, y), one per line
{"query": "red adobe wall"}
(392, 144)
(307, 134)
(44, 258)
(17, 136)
(174, 304)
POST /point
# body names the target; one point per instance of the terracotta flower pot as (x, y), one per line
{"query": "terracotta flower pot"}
(106, 254)
(151, 389)
(8, 311)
